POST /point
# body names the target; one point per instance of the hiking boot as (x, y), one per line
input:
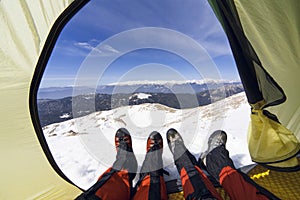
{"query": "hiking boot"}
(216, 155)
(123, 139)
(184, 159)
(153, 160)
(182, 156)
(153, 166)
(174, 139)
(216, 139)
(178, 148)
(154, 141)
(125, 158)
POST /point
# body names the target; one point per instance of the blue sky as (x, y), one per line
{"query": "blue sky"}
(87, 39)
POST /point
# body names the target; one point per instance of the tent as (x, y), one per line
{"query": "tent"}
(264, 37)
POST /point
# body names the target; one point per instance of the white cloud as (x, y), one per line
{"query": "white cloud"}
(69, 48)
(83, 48)
(216, 48)
(98, 50)
(84, 45)
(108, 48)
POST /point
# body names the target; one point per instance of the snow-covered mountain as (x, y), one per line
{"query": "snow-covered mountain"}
(169, 83)
(175, 95)
(84, 147)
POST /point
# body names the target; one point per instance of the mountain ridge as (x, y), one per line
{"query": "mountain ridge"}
(190, 86)
(58, 110)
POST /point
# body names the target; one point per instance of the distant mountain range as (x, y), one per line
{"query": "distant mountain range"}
(177, 95)
(177, 87)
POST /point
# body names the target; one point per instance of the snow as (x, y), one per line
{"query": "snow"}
(141, 95)
(84, 147)
(172, 82)
(65, 115)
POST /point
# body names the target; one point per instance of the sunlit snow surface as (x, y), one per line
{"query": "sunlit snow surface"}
(84, 147)
(141, 95)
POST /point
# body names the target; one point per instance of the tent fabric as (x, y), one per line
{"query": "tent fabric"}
(265, 51)
(258, 84)
(25, 171)
(271, 27)
(227, 15)
(269, 141)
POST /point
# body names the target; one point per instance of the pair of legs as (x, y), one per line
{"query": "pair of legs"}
(194, 174)
(116, 182)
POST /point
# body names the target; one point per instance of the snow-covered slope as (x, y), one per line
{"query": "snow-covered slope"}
(84, 147)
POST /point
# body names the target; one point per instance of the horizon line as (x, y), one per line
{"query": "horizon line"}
(160, 82)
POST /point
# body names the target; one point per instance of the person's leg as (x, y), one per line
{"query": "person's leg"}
(151, 184)
(118, 177)
(195, 183)
(221, 167)
(112, 181)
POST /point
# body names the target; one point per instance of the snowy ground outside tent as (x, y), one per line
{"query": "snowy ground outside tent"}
(84, 147)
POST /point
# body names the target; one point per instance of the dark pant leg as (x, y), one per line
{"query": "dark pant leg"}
(237, 184)
(195, 183)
